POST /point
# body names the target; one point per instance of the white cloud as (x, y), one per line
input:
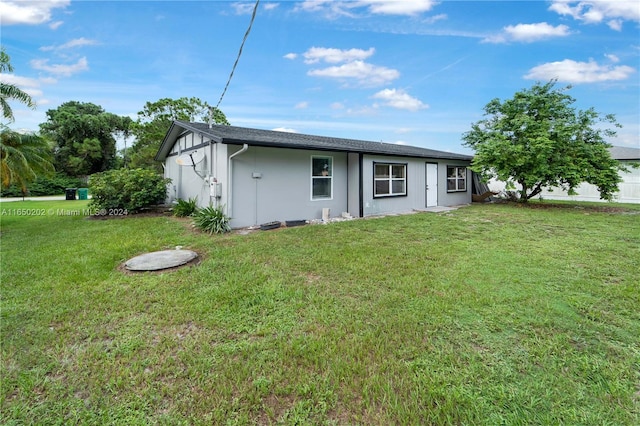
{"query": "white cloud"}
(613, 58)
(243, 8)
(528, 33)
(246, 8)
(595, 12)
(21, 82)
(329, 8)
(436, 18)
(398, 98)
(34, 93)
(335, 56)
(364, 74)
(579, 72)
(363, 111)
(291, 56)
(333, 9)
(29, 12)
(314, 5)
(59, 69)
(398, 7)
(615, 24)
(285, 129)
(337, 105)
(302, 105)
(78, 42)
(32, 86)
(55, 25)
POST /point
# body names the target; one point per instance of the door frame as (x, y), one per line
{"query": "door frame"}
(431, 188)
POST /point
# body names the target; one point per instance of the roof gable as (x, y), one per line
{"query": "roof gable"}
(271, 138)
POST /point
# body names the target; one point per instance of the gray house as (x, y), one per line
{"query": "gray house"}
(260, 176)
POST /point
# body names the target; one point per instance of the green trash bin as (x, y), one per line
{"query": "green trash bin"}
(83, 193)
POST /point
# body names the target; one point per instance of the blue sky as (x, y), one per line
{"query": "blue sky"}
(413, 72)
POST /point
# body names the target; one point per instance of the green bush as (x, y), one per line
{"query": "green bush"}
(54, 185)
(184, 208)
(212, 220)
(129, 189)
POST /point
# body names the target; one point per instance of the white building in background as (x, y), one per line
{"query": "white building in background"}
(629, 188)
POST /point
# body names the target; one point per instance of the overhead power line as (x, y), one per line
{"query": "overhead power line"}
(253, 17)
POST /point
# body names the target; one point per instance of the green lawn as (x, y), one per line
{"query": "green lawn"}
(491, 314)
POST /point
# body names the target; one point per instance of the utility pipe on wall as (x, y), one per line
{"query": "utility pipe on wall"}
(212, 167)
(245, 147)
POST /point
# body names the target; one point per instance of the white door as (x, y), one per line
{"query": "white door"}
(431, 181)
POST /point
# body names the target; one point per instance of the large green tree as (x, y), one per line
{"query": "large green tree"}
(83, 136)
(23, 157)
(11, 91)
(155, 119)
(538, 139)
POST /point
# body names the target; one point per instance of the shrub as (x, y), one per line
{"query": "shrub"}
(185, 208)
(129, 189)
(212, 220)
(53, 185)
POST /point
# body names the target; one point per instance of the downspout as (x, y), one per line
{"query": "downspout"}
(212, 199)
(360, 185)
(245, 147)
(178, 191)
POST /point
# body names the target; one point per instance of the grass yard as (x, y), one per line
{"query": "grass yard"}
(491, 314)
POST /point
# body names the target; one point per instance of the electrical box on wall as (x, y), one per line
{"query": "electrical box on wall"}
(215, 189)
(256, 175)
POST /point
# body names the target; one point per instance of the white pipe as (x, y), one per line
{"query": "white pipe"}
(245, 147)
(179, 192)
(212, 200)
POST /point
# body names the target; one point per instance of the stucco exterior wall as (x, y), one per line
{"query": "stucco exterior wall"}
(187, 182)
(416, 198)
(447, 198)
(274, 184)
(353, 185)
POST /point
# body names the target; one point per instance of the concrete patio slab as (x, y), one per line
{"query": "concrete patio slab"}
(439, 209)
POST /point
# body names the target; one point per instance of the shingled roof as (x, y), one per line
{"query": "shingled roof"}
(271, 138)
(624, 153)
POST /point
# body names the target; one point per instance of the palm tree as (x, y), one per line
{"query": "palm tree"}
(22, 158)
(11, 91)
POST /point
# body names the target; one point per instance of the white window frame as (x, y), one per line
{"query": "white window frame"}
(457, 179)
(390, 179)
(329, 177)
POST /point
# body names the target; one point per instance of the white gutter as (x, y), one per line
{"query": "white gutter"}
(245, 147)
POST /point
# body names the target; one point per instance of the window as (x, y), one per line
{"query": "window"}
(456, 178)
(321, 178)
(390, 180)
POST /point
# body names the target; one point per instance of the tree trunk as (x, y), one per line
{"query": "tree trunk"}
(523, 192)
(536, 191)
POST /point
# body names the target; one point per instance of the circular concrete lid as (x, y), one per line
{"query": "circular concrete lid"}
(159, 260)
